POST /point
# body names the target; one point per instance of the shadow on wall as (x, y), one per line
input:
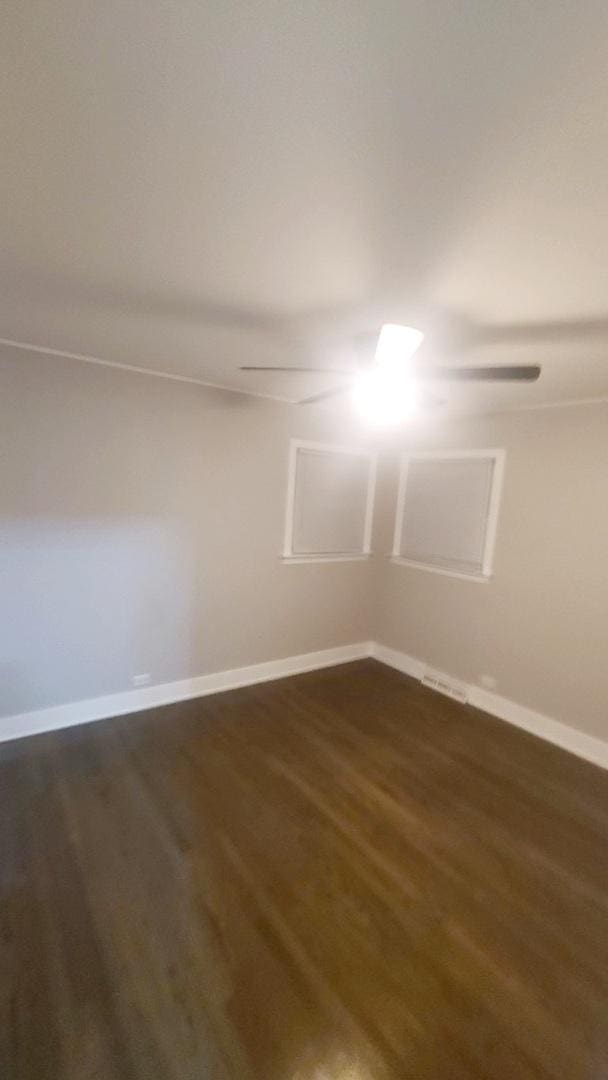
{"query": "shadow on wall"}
(87, 605)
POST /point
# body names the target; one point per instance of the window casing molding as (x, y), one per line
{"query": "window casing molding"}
(291, 556)
(498, 458)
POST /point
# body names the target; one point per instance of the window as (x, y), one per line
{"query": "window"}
(330, 497)
(447, 511)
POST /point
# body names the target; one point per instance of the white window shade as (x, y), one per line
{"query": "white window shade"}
(447, 511)
(329, 502)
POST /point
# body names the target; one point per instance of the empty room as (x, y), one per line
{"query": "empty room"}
(303, 540)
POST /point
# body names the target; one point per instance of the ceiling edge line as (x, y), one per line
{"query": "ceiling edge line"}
(567, 403)
(63, 354)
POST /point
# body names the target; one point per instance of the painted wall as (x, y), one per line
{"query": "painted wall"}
(141, 522)
(539, 628)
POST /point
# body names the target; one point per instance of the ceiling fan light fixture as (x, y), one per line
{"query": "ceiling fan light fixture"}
(384, 397)
(397, 344)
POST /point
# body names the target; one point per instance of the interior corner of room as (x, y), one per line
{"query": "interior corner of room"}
(303, 540)
(162, 541)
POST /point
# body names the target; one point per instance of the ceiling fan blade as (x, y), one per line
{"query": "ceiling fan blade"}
(510, 373)
(326, 394)
(320, 370)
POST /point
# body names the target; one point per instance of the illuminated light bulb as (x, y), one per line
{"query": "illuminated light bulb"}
(397, 344)
(385, 396)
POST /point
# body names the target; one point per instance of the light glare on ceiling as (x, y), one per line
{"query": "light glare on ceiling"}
(397, 344)
(385, 397)
(387, 394)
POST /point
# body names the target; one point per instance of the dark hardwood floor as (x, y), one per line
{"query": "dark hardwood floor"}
(338, 876)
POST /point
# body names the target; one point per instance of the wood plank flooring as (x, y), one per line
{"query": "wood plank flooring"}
(338, 876)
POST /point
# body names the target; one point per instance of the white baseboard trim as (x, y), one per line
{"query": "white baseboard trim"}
(399, 660)
(150, 697)
(569, 738)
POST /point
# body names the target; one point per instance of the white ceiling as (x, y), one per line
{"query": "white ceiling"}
(188, 186)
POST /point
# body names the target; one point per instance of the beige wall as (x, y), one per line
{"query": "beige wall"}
(141, 521)
(540, 627)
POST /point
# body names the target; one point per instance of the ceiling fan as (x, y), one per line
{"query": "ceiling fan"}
(389, 380)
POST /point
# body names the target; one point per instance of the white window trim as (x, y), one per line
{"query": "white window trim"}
(291, 556)
(498, 456)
